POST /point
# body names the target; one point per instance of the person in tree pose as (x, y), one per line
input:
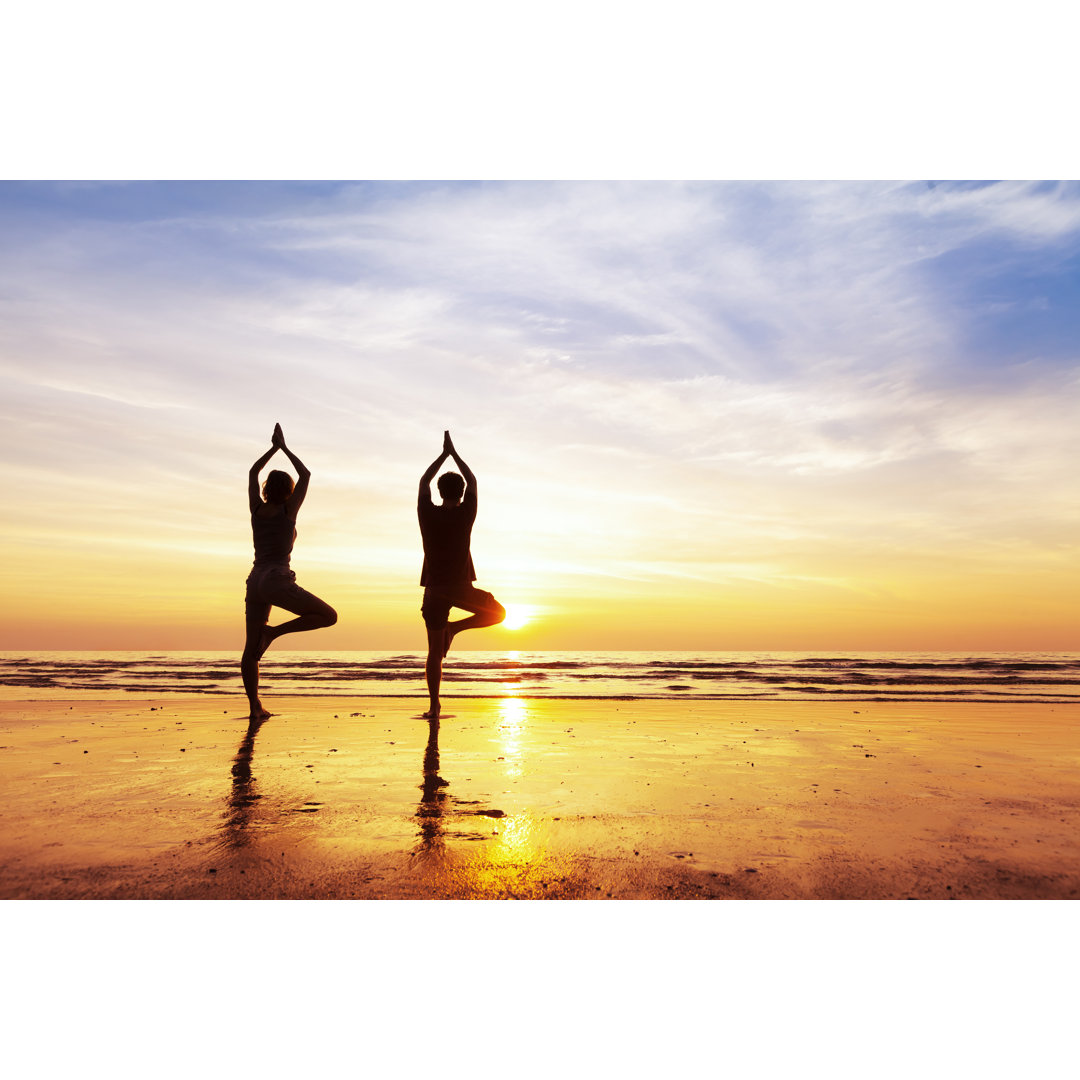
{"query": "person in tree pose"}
(448, 574)
(271, 582)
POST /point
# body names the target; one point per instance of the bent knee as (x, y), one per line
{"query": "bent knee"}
(498, 612)
(328, 615)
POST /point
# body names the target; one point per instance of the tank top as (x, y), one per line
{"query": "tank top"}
(274, 538)
(446, 532)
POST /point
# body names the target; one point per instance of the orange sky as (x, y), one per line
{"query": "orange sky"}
(702, 416)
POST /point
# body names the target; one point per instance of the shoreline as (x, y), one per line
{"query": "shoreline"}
(172, 797)
(121, 694)
(865, 677)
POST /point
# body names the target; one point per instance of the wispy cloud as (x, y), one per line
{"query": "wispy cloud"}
(767, 380)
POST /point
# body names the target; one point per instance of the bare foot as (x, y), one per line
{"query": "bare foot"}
(258, 712)
(448, 637)
(264, 640)
(432, 713)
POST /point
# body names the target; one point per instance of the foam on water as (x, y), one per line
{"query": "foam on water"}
(1045, 677)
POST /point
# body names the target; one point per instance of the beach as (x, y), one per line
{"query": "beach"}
(176, 797)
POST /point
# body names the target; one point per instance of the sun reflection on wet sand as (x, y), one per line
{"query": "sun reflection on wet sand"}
(517, 840)
(482, 849)
(513, 714)
(515, 854)
(515, 863)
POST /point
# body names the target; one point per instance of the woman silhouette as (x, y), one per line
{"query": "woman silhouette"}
(271, 582)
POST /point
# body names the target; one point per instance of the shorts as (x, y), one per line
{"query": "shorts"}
(438, 602)
(275, 586)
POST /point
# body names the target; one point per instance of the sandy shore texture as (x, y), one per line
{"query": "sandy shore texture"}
(175, 798)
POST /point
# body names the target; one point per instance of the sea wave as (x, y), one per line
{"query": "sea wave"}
(779, 676)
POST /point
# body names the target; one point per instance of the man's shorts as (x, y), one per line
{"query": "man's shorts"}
(438, 602)
(275, 586)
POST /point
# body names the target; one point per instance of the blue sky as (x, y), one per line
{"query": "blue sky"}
(822, 394)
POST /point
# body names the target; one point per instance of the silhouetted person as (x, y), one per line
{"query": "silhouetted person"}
(271, 582)
(448, 574)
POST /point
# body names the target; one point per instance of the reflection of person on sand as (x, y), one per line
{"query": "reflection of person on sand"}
(271, 583)
(430, 811)
(448, 574)
(243, 794)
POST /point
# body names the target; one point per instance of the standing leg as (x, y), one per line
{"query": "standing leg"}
(433, 669)
(436, 611)
(254, 646)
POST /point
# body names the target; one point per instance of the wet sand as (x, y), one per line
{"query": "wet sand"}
(174, 798)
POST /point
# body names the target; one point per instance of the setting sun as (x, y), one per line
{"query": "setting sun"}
(752, 451)
(517, 616)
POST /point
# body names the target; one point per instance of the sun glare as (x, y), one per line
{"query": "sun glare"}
(517, 616)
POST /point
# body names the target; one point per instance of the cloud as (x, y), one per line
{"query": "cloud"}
(691, 377)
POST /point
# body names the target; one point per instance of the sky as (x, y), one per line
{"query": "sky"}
(710, 416)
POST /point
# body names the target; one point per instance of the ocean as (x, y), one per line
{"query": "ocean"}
(773, 676)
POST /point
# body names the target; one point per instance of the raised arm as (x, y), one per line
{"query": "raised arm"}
(254, 498)
(466, 472)
(424, 492)
(296, 499)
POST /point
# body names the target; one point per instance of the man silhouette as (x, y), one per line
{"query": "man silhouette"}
(448, 573)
